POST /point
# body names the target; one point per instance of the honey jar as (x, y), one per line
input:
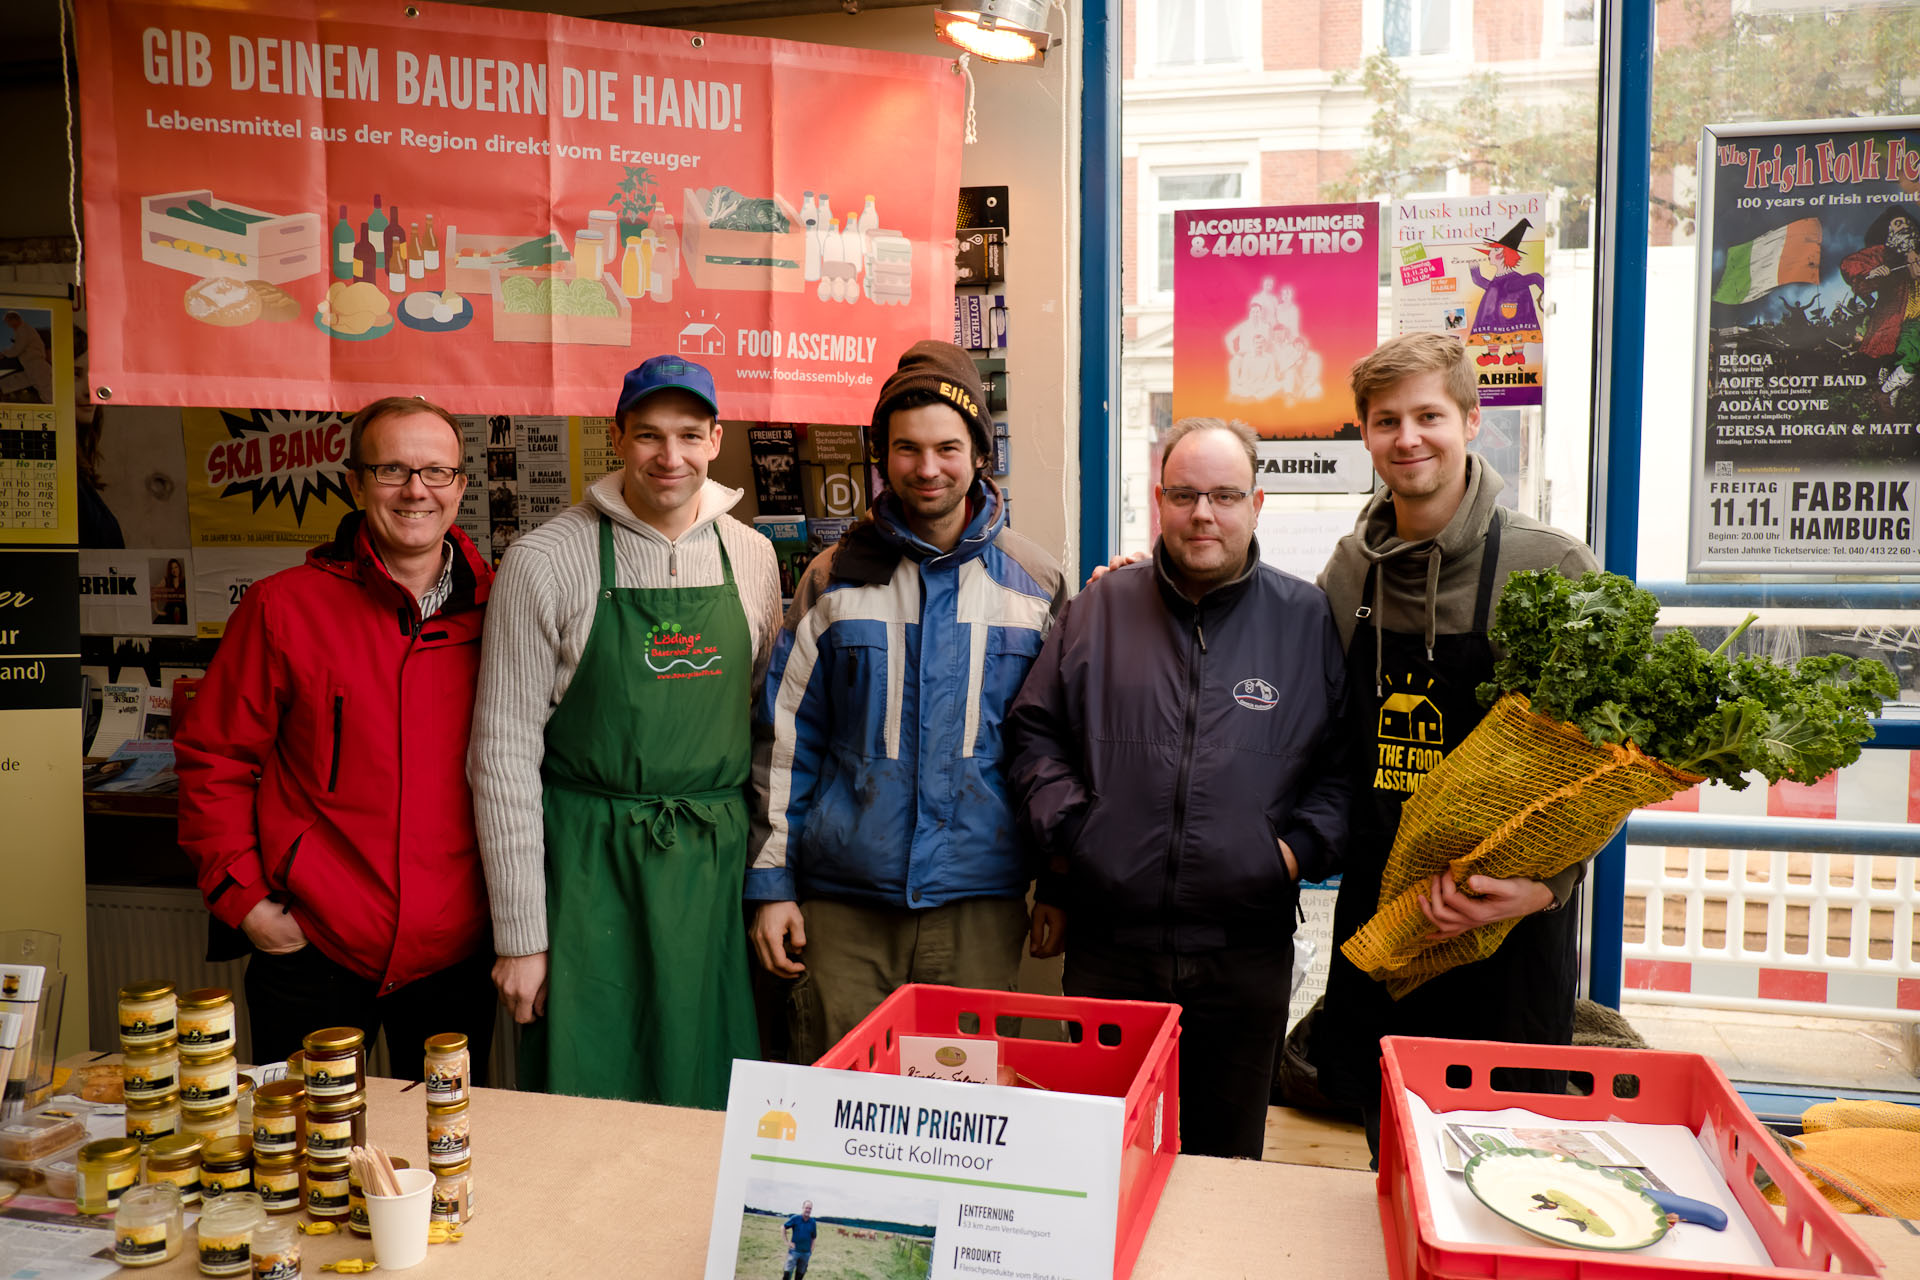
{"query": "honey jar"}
(206, 1021)
(148, 1014)
(105, 1169)
(280, 1119)
(176, 1160)
(335, 1062)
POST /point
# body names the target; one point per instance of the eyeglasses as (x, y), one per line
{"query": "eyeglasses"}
(396, 474)
(1186, 499)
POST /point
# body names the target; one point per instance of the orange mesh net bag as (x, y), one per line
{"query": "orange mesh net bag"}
(1864, 1156)
(1524, 795)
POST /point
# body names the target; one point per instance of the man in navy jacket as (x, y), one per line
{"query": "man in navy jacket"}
(1174, 757)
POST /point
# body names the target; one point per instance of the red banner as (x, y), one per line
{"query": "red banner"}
(295, 204)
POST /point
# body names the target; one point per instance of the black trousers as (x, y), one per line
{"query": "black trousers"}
(1233, 1010)
(291, 995)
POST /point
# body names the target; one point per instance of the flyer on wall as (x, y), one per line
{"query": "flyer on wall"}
(1271, 307)
(1807, 382)
(863, 1173)
(1475, 267)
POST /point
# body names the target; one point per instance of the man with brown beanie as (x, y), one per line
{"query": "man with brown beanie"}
(885, 850)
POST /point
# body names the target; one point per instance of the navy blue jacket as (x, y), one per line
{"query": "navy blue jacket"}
(1160, 749)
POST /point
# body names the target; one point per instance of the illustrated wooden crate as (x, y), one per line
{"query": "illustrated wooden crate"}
(471, 279)
(276, 248)
(599, 331)
(720, 259)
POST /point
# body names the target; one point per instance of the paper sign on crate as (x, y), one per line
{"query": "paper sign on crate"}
(884, 1174)
(967, 1061)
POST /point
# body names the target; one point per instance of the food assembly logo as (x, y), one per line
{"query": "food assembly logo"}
(777, 1122)
(288, 459)
(1412, 737)
(1256, 694)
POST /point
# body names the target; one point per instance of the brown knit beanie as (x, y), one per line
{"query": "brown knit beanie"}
(948, 373)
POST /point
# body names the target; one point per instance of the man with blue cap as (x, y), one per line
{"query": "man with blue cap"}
(610, 757)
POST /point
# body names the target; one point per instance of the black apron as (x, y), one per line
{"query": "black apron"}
(1424, 708)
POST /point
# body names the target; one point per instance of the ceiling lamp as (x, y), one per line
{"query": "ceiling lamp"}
(997, 30)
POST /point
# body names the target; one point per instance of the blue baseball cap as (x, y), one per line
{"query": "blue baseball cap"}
(661, 373)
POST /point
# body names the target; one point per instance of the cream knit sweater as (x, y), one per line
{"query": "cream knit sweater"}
(538, 618)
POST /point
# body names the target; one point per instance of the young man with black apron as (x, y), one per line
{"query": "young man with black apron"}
(610, 760)
(1413, 589)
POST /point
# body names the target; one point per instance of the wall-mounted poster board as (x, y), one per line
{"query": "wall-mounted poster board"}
(1807, 375)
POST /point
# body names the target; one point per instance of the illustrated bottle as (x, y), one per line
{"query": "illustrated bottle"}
(856, 243)
(364, 264)
(430, 241)
(630, 271)
(376, 225)
(824, 227)
(343, 247)
(397, 269)
(666, 261)
(396, 230)
(869, 221)
(649, 254)
(416, 253)
(810, 221)
(832, 251)
(376, 241)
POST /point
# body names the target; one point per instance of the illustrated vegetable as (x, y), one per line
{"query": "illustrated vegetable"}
(1583, 653)
(536, 253)
(635, 200)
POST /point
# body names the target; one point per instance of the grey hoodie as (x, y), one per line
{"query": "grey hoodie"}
(1430, 587)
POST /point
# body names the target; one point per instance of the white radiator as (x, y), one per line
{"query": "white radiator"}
(162, 933)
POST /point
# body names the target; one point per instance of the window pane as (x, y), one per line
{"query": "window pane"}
(1576, 23)
(1396, 32)
(1163, 279)
(1436, 26)
(1194, 187)
(1219, 25)
(1176, 44)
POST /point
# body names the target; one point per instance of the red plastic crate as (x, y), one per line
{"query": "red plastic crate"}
(1636, 1085)
(1127, 1049)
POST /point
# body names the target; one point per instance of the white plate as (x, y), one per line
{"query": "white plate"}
(1565, 1200)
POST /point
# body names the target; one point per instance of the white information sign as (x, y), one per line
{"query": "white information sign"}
(886, 1175)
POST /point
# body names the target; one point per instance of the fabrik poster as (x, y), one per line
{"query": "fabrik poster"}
(1808, 378)
(1475, 267)
(301, 205)
(1271, 307)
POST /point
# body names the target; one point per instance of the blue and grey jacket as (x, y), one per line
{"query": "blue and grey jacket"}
(878, 767)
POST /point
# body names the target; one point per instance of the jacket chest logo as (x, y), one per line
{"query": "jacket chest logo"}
(1256, 694)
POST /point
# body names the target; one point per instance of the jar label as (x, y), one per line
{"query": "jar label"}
(224, 1257)
(213, 1184)
(277, 1188)
(329, 1081)
(327, 1197)
(188, 1180)
(447, 1148)
(157, 1083)
(139, 1030)
(277, 1266)
(207, 1030)
(144, 1243)
(329, 1135)
(151, 1127)
(214, 1089)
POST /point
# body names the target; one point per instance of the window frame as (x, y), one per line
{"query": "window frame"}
(1373, 28)
(1147, 51)
(1244, 163)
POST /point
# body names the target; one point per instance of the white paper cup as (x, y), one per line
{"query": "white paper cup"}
(398, 1224)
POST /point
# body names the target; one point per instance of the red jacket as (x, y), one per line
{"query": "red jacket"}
(1887, 293)
(325, 762)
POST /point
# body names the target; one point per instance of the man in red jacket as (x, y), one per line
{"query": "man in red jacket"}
(323, 788)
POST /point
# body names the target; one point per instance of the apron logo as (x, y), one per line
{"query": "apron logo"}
(1412, 739)
(674, 655)
(1256, 694)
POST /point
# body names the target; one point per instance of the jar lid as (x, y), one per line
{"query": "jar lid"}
(150, 1051)
(228, 1150)
(242, 1086)
(205, 1054)
(146, 989)
(177, 1146)
(214, 1115)
(171, 1098)
(108, 1150)
(452, 1170)
(448, 1109)
(335, 1040)
(446, 1042)
(281, 1093)
(336, 1106)
(206, 998)
(318, 1168)
(278, 1162)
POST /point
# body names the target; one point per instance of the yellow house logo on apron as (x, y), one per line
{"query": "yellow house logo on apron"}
(1412, 738)
(674, 655)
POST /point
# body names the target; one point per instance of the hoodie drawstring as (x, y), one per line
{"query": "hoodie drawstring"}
(1433, 597)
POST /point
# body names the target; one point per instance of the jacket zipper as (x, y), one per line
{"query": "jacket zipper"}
(333, 774)
(286, 868)
(1177, 838)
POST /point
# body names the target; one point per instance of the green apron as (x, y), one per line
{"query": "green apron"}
(647, 760)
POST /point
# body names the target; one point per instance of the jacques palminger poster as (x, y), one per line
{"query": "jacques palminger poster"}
(1807, 386)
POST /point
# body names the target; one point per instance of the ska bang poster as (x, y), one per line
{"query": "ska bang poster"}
(1808, 382)
(306, 205)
